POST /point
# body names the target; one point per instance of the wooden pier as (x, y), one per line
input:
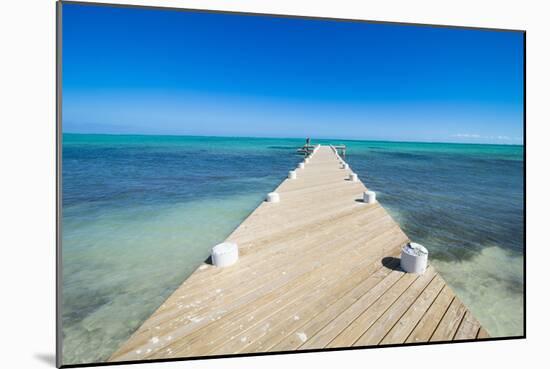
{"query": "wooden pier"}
(308, 149)
(319, 269)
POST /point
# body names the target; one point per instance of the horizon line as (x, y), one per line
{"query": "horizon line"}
(296, 138)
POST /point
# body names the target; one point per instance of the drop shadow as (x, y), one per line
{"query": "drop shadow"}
(46, 358)
(209, 260)
(392, 263)
(360, 200)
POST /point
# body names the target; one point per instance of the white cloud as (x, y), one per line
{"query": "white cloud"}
(467, 135)
(480, 137)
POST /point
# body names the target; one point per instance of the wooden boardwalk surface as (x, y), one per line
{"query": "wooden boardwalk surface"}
(319, 269)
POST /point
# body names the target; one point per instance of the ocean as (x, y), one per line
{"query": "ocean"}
(140, 213)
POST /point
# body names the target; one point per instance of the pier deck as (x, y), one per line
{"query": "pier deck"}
(319, 269)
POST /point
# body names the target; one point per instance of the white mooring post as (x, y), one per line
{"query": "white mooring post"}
(369, 197)
(225, 254)
(345, 166)
(306, 160)
(414, 258)
(301, 166)
(353, 177)
(272, 197)
(292, 174)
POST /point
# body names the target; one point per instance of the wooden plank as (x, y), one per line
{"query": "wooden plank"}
(376, 332)
(451, 320)
(404, 326)
(355, 329)
(257, 339)
(338, 324)
(482, 334)
(427, 325)
(468, 329)
(296, 338)
(291, 319)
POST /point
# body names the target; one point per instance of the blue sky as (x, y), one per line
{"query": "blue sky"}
(147, 71)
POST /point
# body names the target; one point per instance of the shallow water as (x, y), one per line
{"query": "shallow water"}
(140, 213)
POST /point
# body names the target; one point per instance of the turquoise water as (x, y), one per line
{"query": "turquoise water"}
(140, 213)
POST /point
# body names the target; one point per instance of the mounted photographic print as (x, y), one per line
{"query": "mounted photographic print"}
(236, 184)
